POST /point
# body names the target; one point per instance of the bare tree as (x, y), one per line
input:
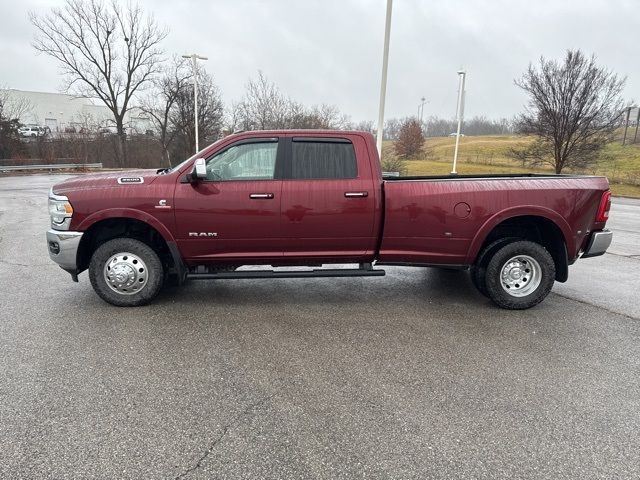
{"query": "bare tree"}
(83, 131)
(263, 106)
(15, 106)
(104, 50)
(10, 144)
(319, 116)
(410, 142)
(364, 126)
(161, 101)
(573, 107)
(391, 129)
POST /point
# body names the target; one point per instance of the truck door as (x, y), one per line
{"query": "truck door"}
(235, 214)
(328, 200)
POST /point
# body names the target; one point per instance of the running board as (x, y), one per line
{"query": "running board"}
(316, 273)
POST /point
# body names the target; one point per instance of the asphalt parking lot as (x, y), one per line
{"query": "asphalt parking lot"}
(412, 375)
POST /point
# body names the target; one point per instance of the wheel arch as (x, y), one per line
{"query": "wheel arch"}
(114, 223)
(541, 225)
(126, 213)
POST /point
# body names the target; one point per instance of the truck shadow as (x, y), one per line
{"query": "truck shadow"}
(419, 285)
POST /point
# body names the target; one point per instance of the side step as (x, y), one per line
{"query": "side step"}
(315, 273)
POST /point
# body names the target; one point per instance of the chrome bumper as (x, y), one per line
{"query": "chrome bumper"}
(63, 248)
(598, 243)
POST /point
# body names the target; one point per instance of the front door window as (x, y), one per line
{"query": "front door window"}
(248, 161)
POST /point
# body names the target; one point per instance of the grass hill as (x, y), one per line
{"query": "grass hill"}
(490, 154)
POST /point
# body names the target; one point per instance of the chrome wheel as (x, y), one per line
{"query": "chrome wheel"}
(125, 273)
(520, 275)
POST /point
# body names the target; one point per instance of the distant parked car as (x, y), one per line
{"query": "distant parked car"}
(455, 134)
(33, 131)
(107, 130)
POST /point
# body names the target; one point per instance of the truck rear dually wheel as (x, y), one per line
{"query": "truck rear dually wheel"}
(519, 275)
(126, 272)
(478, 270)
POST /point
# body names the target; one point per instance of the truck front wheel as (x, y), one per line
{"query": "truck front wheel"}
(519, 275)
(126, 272)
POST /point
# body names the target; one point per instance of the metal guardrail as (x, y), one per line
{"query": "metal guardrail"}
(56, 166)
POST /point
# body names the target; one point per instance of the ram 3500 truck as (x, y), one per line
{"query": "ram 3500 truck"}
(313, 198)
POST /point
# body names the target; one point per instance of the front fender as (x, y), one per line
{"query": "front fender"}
(126, 213)
(521, 211)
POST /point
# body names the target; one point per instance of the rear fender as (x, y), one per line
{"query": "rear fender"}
(529, 210)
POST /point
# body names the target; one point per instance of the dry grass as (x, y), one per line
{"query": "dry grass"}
(490, 154)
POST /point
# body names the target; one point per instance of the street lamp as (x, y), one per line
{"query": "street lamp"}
(194, 57)
(383, 83)
(459, 111)
(421, 105)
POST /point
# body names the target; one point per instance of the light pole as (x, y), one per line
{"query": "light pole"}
(383, 83)
(195, 57)
(462, 74)
(423, 101)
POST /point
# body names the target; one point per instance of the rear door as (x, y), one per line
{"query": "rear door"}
(328, 199)
(234, 215)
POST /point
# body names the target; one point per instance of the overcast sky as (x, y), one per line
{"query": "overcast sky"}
(331, 51)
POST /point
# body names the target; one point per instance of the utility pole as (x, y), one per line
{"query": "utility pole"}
(383, 83)
(460, 108)
(626, 125)
(194, 57)
(635, 135)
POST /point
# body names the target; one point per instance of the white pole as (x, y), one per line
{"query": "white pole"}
(462, 75)
(195, 98)
(195, 57)
(383, 83)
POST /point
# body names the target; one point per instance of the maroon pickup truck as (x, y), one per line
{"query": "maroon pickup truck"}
(316, 198)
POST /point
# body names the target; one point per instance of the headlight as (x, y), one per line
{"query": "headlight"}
(60, 211)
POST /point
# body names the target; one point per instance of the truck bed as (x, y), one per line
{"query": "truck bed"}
(445, 219)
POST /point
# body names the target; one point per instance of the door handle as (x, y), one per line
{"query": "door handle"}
(356, 194)
(257, 196)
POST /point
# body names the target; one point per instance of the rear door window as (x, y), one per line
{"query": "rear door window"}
(322, 159)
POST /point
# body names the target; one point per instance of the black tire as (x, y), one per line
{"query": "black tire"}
(477, 271)
(546, 272)
(153, 271)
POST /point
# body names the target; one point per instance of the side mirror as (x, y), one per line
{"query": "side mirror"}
(199, 171)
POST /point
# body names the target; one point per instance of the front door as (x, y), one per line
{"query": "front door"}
(234, 215)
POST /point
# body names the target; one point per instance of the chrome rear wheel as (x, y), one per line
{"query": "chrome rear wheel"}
(520, 275)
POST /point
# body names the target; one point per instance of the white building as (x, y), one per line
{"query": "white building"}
(61, 112)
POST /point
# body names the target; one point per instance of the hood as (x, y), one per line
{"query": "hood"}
(106, 180)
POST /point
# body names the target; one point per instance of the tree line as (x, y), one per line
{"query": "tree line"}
(435, 126)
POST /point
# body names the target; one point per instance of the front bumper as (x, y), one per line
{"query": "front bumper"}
(598, 243)
(63, 249)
